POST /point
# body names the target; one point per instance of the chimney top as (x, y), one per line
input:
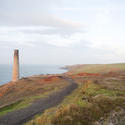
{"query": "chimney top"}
(16, 51)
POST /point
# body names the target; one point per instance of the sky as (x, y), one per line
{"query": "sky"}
(62, 32)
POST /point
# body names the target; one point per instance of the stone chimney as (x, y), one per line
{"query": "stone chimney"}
(15, 76)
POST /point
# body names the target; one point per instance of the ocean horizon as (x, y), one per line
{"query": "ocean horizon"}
(28, 70)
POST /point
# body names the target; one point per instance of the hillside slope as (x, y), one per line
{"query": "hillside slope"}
(14, 96)
(95, 68)
(99, 99)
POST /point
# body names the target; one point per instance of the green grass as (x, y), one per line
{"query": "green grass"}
(25, 102)
(97, 68)
(94, 89)
(15, 106)
(109, 92)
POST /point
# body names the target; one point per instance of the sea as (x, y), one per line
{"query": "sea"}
(28, 70)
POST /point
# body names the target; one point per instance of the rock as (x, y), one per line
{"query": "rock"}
(114, 118)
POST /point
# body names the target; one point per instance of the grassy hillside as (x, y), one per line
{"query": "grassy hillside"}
(95, 102)
(96, 68)
(98, 100)
(21, 94)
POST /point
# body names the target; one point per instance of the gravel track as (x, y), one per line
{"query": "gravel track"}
(21, 116)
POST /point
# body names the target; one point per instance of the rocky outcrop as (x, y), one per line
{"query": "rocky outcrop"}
(113, 118)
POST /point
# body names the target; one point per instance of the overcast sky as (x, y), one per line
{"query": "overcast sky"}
(62, 31)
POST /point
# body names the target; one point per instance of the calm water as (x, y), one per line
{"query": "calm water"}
(27, 70)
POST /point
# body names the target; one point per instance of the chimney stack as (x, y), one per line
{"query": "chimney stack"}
(15, 76)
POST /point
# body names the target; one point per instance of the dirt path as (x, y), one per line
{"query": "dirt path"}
(19, 117)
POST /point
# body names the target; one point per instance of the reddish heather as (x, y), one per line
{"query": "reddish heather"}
(88, 74)
(51, 78)
(84, 74)
(5, 88)
(40, 81)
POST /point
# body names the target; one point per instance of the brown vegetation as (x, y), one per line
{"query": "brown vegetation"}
(27, 87)
(97, 96)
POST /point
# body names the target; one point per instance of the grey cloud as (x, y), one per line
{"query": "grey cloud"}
(32, 12)
(36, 19)
(28, 12)
(36, 13)
(64, 32)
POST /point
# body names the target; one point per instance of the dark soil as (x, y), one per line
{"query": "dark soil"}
(21, 116)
